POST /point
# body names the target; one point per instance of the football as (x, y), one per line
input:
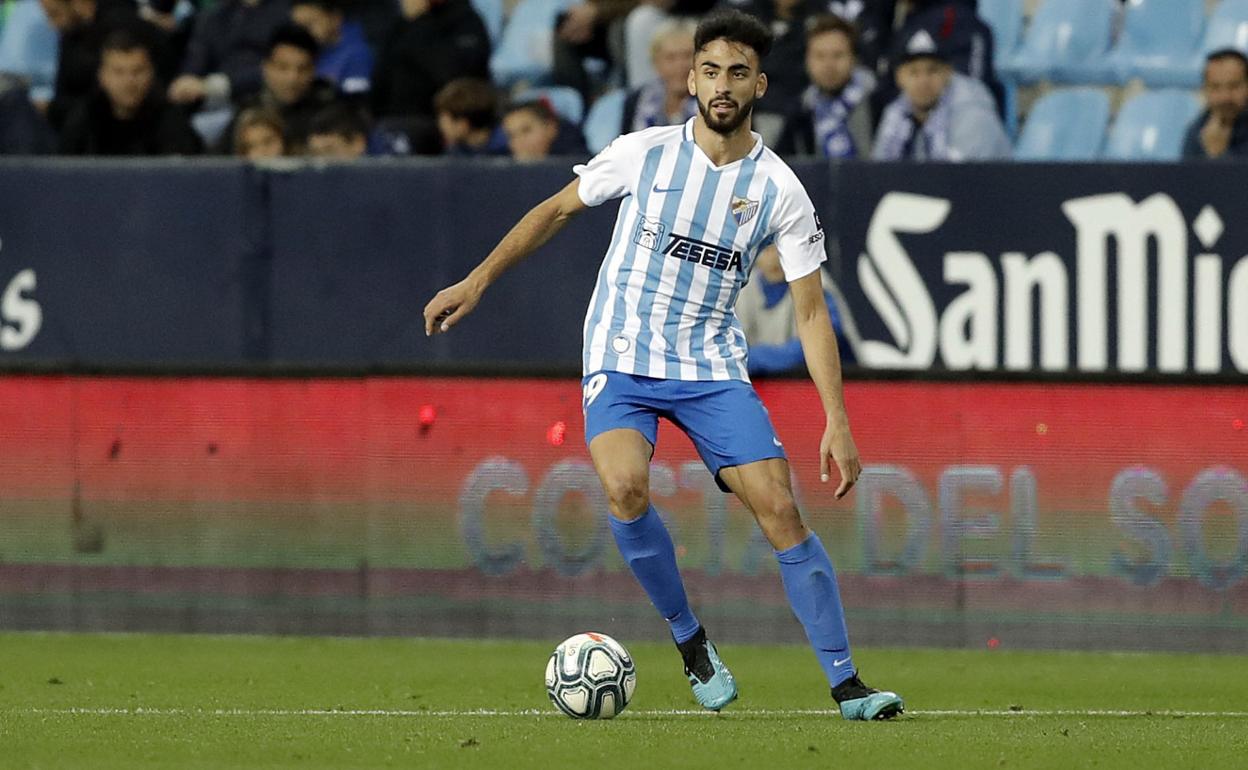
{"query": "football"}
(590, 676)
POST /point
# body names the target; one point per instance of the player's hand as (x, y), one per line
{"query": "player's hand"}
(837, 446)
(450, 305)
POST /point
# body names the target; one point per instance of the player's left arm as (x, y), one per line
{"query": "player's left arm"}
(823, 361)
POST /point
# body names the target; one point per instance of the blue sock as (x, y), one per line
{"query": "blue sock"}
(810, 584)
(646, 546)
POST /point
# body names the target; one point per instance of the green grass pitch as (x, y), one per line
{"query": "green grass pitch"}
(140, 701)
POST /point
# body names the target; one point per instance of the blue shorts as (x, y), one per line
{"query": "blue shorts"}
(725, 420)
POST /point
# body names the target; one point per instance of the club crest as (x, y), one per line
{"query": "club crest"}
(743, 210)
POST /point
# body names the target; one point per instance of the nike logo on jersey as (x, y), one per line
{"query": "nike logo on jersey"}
(776, 441)
(658, 189)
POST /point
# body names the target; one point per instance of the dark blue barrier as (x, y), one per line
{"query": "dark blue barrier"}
(1083, 268)
(358, 251)
(118, 263)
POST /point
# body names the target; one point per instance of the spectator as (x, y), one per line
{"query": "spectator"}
(176, 19)
(874, 21)
(23, 130)
(290, 85)
(28, 49)
(128, 114)
(642, 26)
(259, 134)
(766, 311)
(1222, 130)
(583, 32)
(345, 58)
(338, 132)
(940, 114)
(377, 18)
(665, 101)
(82, 26)
(466, 112)
(431, 44)
(964, 39)
(535, 132)
(224, 54)
(833, 119)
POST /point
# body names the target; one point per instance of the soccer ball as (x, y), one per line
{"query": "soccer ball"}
(590, 676)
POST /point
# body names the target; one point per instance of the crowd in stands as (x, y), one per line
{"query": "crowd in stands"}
(921, 80)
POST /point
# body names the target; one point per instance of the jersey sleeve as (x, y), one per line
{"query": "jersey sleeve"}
(607, 175)
(798, 234)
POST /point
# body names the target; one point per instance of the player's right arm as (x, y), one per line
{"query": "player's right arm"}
(534, 229)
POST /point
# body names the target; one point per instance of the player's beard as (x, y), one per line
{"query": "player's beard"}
(729, 124)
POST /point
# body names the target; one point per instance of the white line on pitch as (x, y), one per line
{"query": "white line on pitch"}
(638, 712)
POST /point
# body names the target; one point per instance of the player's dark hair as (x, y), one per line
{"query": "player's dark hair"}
(824, 23)
(293, 35)
(1228, 53)
(339, 119)
(735, 27)
(473, 99)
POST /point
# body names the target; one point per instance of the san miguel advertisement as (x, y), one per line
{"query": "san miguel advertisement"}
(1068, 515)
(1065, 268)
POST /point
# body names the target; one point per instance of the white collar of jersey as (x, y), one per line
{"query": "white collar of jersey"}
(755, 153)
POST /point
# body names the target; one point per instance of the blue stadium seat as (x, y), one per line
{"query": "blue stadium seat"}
(492, 13)
(1151, 126)
(605, 120)
(1067, 124)
(1159, 38)
(1227, 28)
(1063, 36)
(566, 102)
(525, 53)
(1005, 18)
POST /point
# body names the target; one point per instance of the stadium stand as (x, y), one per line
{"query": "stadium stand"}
(1150, 126)
(1005, 18)
(1158, 40)
(1094, 52)
(1064, 36)
(1227, 28)
(1067, 124)
(524, 53)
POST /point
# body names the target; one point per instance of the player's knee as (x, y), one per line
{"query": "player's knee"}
(628, 494)
(777, 511)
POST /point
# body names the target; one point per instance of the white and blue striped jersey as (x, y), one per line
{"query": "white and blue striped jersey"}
(685, 238)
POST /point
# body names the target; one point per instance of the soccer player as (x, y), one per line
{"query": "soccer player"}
(700, 201)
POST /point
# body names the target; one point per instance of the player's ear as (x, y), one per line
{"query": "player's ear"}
(760, 87)
(693, 83)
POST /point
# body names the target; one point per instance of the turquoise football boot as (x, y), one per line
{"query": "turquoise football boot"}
(860, 702)
(711, 680)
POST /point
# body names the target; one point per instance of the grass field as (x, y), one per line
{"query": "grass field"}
(126, 701)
